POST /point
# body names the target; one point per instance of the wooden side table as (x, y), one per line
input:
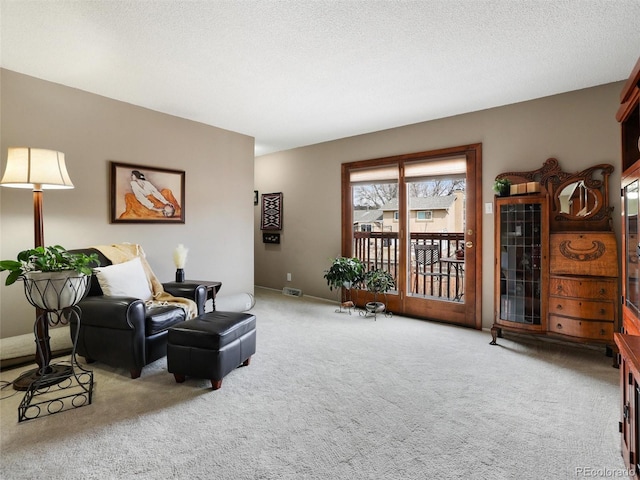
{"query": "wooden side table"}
(211, 286)
(212, 289)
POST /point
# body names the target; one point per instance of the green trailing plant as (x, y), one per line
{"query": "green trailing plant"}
(502, 186)
(344, 271)
(379, 281)
(47, 259)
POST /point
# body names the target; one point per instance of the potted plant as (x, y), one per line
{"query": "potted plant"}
(502, 186)
(344, 272)
(378, 281)
(54, 277)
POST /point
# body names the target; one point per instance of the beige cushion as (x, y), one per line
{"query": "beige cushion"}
(127, 279)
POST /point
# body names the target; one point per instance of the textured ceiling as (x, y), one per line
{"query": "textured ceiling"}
(293, 73)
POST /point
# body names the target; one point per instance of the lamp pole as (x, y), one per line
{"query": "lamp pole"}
(38, 223)
(43, 351)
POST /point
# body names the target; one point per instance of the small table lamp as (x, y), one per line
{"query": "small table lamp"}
(36, 169)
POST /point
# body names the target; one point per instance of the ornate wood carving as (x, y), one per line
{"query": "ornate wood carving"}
(579, 201)
(594, 252)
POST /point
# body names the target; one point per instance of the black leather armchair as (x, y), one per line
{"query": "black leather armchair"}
(122, 331)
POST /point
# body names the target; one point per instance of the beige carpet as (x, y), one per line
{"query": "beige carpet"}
(338, 396)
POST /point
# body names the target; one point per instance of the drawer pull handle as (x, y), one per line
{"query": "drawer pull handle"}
(602, 291)
(559, 288)
(602, 311)
(559, 307)
(602, 332)
(559, 326)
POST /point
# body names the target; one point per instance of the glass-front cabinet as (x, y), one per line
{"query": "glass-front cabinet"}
(556, 256)
(631, 249)
(521, 270)
(628, 341)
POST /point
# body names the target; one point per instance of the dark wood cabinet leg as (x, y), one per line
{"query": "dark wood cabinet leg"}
(495, 333)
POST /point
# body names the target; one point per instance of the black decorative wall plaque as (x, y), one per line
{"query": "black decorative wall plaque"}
(271, 238)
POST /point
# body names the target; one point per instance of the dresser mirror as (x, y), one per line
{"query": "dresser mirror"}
(579, 201)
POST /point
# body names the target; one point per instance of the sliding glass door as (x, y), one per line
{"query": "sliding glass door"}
(409, 215)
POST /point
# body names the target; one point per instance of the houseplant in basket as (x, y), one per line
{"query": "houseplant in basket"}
(378, 281)
(54, 278)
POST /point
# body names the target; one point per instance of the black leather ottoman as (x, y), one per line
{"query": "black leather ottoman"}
(211, 345)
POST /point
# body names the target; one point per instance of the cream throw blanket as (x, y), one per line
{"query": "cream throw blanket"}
(123, 252)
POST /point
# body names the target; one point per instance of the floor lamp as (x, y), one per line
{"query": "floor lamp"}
(36, 169)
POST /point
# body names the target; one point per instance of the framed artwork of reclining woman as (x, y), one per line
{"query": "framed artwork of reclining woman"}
(141, 194)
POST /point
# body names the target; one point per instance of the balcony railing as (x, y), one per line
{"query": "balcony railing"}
(443, 279)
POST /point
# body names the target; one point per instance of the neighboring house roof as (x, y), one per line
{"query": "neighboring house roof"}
(423, 203)
(367, 216)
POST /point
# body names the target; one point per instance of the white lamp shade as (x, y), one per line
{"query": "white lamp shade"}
(35, 168)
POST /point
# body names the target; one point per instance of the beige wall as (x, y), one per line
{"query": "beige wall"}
(578, 128)
(92, 130)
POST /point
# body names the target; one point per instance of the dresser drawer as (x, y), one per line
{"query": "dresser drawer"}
(595, 288)
(580, 308)
(581, 328)
(584, 253)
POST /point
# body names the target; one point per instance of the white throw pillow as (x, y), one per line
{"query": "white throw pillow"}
(127, 279)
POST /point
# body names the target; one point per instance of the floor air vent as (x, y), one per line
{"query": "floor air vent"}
(293, 292)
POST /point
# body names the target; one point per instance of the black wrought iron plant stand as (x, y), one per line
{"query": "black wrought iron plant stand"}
(372, 309)
(64, 385)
